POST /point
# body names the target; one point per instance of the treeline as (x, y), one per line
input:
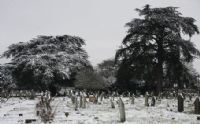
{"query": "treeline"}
(157, 52)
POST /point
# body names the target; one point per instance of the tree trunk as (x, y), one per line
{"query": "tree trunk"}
(160, 54)
(160, 78)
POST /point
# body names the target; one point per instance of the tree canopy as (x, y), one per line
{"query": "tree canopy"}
(6, 79)
(47, 60)
(157, 45)
(107, 69)
(90, 79)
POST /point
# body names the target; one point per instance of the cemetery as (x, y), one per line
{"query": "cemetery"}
(70, 62)
(81, 107)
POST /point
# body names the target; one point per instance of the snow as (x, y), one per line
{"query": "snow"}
(165, 112)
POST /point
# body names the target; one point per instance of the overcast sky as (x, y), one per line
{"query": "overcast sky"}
(99, 22)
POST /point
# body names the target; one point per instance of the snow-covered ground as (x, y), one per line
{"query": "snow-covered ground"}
(165, 112)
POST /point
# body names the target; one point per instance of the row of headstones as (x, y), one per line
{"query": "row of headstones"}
(180, 98)
(19, 93)
(174, 94)
(80, 102)
(94, 99)
(181, 104)
(105, 94)
(43, 108)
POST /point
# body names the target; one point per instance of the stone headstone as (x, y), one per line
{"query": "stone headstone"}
(122, 111)
(101, 96)
(190, 97)
(84, 102)
(180, 103)
(112, 104)
(153, 101)
(96, 99)
(197, 106)
(76, 104)
(132, 99)
(81, 102)
(146, 99)
(92, 98)
(37, 113)
(73, 99)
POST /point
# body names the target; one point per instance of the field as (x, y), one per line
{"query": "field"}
(16, 111)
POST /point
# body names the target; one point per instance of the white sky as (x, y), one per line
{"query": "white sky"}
(99, 22)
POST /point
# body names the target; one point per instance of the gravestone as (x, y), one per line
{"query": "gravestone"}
(96, 99)
(153, 101)
(73, 99)
(133, 99)
(92, 98)
(197, 106)
(32, 95)
(146, 99)
(122, 111)
(190, 97)
(37, 113)
(76, 104)
(81, 102)
(101, 96)
(112, 104)
(180, 103)
(129, 94)
(84, 102)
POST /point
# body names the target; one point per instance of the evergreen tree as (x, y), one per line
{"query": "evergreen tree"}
(90, 79)
(47, 61)
(6, 79)
(156, 41)
(107, 69)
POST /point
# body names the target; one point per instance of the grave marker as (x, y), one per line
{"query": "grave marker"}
(122, 111)
(146, 99)
(197, 106)
(180, 103)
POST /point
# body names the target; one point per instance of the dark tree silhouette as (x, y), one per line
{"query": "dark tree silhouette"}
(89, 79)
(107, 69)
(46, 61)
(155, 42)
